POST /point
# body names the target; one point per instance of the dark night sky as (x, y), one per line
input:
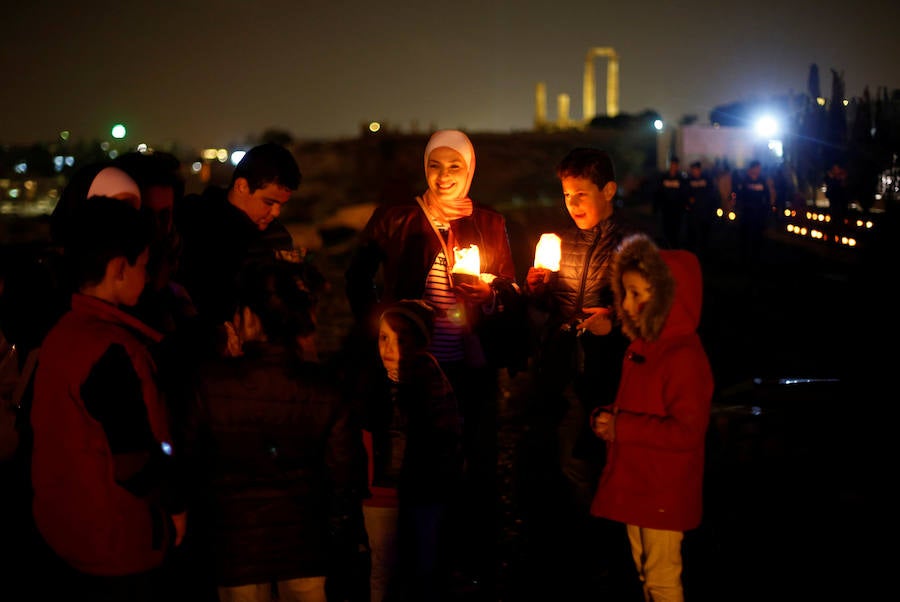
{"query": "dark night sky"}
(212, 73)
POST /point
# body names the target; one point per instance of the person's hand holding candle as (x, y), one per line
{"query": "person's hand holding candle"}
(546, 261)
(468, 282)
(475, 291)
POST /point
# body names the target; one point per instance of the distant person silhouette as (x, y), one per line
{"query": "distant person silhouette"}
(671, 200)
(700, 211)
(753, 203)
(837, 192)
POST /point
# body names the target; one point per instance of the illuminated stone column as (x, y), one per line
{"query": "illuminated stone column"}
(540, 106)
(589, 92)
(612, 85)
(562, 110)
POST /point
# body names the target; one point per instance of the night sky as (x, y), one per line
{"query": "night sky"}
(213, 73)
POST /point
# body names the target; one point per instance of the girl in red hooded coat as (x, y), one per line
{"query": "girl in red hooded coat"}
(656, 429)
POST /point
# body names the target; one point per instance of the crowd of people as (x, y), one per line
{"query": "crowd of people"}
(687, 203)
(183, 440)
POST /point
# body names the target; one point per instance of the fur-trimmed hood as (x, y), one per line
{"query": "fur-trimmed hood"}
(677, 289)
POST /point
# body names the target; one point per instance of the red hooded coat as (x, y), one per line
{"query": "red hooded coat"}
(653, 476)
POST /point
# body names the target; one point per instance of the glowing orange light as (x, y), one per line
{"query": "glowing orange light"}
(467, 261)
(547, 253)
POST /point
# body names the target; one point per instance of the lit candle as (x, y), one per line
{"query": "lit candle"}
(467, 261)
(547, 253)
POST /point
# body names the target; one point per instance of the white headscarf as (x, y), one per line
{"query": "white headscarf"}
(458, 141)
(115, 183)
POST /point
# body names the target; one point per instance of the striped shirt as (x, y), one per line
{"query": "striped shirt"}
(447, 339)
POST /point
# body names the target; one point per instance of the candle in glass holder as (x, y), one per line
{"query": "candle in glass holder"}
(547, 253)
(467, 263)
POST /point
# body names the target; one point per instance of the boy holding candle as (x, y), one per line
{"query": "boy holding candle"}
(581, 345)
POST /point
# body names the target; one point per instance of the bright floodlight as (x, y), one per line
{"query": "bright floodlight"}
(766, 126)
(658, 124)
(118, 131)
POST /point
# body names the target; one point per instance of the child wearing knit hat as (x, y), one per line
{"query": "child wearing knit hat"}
(405, 330)
(413, 436)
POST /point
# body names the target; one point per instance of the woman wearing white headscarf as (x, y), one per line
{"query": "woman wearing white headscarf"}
(415, 245)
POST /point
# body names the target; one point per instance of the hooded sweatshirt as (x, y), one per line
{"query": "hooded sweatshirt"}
(653, 476)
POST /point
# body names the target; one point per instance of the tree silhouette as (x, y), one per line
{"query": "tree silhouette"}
(836, 129)
(812, 83)
(277, 136)
(861, 155)
(806, 147)
(887, 141)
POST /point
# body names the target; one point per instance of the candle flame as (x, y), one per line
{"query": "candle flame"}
(547, 253)
(467, 261)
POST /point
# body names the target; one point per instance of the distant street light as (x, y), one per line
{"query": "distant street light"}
(766, 126)
(118, 131)
(236, 156)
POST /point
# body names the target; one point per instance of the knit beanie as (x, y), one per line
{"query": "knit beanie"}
(417, 312)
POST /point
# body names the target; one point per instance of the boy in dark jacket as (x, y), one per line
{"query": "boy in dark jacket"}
(581, 346)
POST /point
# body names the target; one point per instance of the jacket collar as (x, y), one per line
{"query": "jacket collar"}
(103, 310)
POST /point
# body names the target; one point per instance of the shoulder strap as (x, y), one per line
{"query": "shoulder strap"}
(25, 375)
(440, 238)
